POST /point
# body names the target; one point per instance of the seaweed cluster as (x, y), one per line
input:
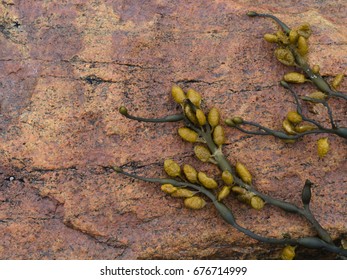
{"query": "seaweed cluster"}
(203, 128)
(292, 49)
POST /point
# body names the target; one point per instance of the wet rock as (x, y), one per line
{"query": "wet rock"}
(65, 70)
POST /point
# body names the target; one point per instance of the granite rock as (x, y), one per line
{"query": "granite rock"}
(67, 66)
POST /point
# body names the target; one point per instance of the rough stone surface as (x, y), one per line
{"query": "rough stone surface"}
(66, 67)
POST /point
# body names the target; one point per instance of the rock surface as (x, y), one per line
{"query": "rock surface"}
(67, 67)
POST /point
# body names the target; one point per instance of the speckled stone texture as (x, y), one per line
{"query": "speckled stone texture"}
(66, 67)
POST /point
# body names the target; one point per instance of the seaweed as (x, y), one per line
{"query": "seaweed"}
(204, 129)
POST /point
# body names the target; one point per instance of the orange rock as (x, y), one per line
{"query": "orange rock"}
(65, 70)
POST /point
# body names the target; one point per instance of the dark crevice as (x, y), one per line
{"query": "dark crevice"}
(188, 82)
(95, 80)
(43, 170)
